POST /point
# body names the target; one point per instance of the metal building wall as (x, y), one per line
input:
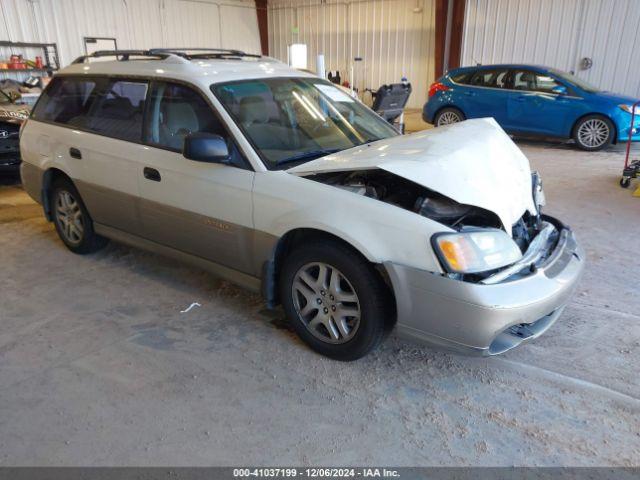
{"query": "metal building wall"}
(393, 37)
(134, 23)
(559, 33)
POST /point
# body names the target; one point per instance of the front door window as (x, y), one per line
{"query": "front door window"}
(175, 112)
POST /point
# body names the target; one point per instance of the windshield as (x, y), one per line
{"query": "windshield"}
(294, 120)
(578, 82)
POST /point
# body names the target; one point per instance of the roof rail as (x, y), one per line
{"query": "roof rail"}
(163, 53)
(123, 55)
(204, 53)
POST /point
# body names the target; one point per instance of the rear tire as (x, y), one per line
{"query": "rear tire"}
(593, 133)
(72, 220)
(447, 116)
(335, 300)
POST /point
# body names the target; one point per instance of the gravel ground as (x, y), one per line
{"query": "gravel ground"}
(99, 367)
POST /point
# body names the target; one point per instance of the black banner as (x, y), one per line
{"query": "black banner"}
(404, 473)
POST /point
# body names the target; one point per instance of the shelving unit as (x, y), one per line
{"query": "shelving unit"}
(49, 56)
(24, 70)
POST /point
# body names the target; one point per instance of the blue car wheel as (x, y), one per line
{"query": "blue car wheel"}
(447, 116)
(593, 132)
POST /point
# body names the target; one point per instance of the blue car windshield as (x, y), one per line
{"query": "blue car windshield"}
(578, 82)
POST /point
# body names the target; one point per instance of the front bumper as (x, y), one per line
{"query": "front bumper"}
(486, 319)
(9, 155)
(10, 165)
(12, 168)
(624, 128)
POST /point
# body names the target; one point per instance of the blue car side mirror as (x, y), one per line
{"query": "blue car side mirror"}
(559, 90)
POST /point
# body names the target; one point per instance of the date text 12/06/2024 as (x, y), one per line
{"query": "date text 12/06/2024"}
(315, 473)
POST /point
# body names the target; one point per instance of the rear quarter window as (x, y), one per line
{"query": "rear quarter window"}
(65, 100)
(112, 108)
(462, 77)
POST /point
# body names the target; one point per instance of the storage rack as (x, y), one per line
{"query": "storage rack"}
(49, 55)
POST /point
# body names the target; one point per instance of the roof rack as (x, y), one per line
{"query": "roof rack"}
(122, 55)
(205, 53)
(163, 53)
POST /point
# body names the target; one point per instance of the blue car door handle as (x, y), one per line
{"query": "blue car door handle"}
(469, 94)
(521, 98)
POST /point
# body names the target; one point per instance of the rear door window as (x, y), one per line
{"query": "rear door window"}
(118, 110)
(66, 101)
(534, 81)
(491, 78)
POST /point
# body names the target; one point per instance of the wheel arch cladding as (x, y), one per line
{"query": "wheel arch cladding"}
(48, 179)
(301, 236)
(614, 134)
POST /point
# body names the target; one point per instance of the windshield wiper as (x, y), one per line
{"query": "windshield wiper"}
(311, 155)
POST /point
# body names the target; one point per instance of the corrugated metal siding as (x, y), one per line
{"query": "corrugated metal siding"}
(134, 23)
(559, 34)
(394, 38)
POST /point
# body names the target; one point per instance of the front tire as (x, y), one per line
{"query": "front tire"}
(447, 116)
(72, 220)
(336, 302)
(593, 133)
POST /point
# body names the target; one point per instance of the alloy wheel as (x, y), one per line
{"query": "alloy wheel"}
(326, 302)
(69, 217)
(593, 133)
(447, 118)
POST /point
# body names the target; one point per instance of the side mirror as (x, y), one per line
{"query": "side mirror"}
(205, 147)
(559, 90)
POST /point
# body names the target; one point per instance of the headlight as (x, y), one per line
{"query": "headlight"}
(476, 251)
(629, 108)
(538, 193)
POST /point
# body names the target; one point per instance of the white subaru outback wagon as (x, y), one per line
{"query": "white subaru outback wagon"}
(280, 182)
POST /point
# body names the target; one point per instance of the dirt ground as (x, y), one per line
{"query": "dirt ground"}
(99, 367)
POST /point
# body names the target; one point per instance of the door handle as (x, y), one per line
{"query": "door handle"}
(151, 174)
(521, 98)
(469, 94)
(75, 153)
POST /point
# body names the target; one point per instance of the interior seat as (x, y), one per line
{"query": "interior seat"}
(178, 120)
(254, 117)
(118, 117)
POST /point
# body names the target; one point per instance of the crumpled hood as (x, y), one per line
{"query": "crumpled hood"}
(472, 162)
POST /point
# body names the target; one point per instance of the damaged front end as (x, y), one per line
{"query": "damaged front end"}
(531, 240)
(507, 271)
(395, 190)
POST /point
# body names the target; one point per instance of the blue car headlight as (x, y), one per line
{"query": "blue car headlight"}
(629, 108)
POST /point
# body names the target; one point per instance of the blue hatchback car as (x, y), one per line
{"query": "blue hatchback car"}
(533, 100)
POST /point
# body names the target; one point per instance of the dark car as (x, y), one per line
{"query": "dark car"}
(533, 100)
(14, 110)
